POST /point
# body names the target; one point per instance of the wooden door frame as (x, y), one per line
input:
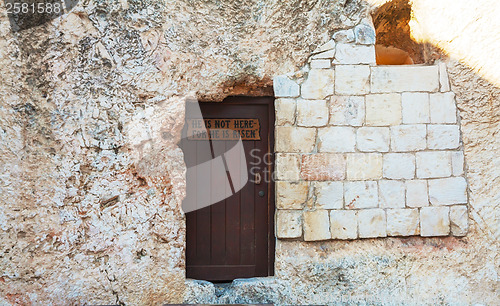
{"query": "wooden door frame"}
(271, 207)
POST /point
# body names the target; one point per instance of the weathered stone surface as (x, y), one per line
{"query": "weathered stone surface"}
(416, 193)
(364, 166)
(329, 195)
(324, 55)
(285, 111)
(344, 224)
(288, 223)
(349, 54)
(287, 166)
(443, 108)
(199, 292)
(344, 36)
(321, 64)
(352, 79)
(402, 222)
(312, 112)
(391, 194)
(322, 167)
(415, 107)
(433, 164)
(372, 223)
(404, 78)
(293, 139)
(399, 166)
(459, 220)
(284, 87)
(434, 221)
(329, 45)
(347, 110)
(444, 82)
(362, 194)
(319, 84)
(457, 163)
(373, 139)
(365, 32)
(443, 136)
(336, 139)
(448, 191)
(316, 225)
(383, 109)
(406, 138)
(291, 195)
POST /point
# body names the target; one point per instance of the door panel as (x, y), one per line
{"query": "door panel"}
(234, 238)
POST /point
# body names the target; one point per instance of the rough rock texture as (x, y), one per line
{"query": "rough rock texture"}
(75, 95)
(91, 108)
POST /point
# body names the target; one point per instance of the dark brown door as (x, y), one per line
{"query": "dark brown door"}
(234, 238)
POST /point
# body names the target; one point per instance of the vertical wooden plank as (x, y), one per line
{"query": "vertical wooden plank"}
(261, 203)
(218, 215)
(190, 159)
(203, 222)
(247, 218)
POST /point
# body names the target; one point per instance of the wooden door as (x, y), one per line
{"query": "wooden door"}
(234, 238)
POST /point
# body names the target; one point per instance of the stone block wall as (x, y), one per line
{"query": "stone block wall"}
(367, 151)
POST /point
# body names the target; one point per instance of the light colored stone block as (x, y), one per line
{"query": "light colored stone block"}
(433, 164)
(402, 222)
(288, 223)
(415, 107)
(336, 139)
(459, 220)
(361, 194)
(373, 139)
(399, 166)
(329, 45)
(443, 108)
(344, 36)
(434, 221)
(391, 194)
(285, 111)
(416, 193)
(372, 223)
(344, 224)
(399, 78)
(457, 163)
(383, 109)
(443, 136)
(329, 195)
(324, 55)
(291, 195)
(312, 112)
(316, 225)
(321, 64)
(352, 79)
(448, 191)
(284, 87)
(365, 32)
(319, 84)
(354, 54)
(405, 138)
(287, 166)
(444, 82)
(293, 139)
(347, 110)
(323, 167)
(364, 166)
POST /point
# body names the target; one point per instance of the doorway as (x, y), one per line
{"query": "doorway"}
(234, 238)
